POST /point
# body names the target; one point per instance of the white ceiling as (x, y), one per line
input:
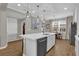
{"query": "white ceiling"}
(53, 10)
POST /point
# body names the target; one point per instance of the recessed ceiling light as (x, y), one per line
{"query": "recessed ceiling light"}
(27, 16)
(18, 4)
(65, 8)
(41, 15)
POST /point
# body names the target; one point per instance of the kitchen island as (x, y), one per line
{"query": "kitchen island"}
(77, 45)
(37, 44)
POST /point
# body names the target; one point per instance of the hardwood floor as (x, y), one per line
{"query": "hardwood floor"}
(13, 49)
(61, 48)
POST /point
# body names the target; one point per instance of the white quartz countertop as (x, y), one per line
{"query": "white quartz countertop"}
(36, 36)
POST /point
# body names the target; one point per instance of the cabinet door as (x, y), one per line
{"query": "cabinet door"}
(77, 47)
(49, 42)
(53, 39)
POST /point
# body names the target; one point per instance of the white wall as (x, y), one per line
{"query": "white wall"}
(68, 27)
(11, 29)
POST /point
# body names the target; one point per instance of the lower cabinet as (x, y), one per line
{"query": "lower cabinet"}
(50, 42)
(77, 46)
(41, 46)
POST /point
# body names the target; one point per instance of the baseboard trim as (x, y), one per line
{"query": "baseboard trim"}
(4, 47)
(14, 40)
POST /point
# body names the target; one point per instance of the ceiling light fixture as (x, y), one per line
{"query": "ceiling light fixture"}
(65, 8)
(18, 4)
(33, 11)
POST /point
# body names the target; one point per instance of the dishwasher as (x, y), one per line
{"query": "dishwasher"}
(42, 46)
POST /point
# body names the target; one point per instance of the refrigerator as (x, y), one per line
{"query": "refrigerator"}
(73, 33)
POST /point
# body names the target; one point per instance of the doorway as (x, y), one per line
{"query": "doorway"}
(23, 28)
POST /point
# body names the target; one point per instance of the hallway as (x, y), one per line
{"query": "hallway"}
(62, 48)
